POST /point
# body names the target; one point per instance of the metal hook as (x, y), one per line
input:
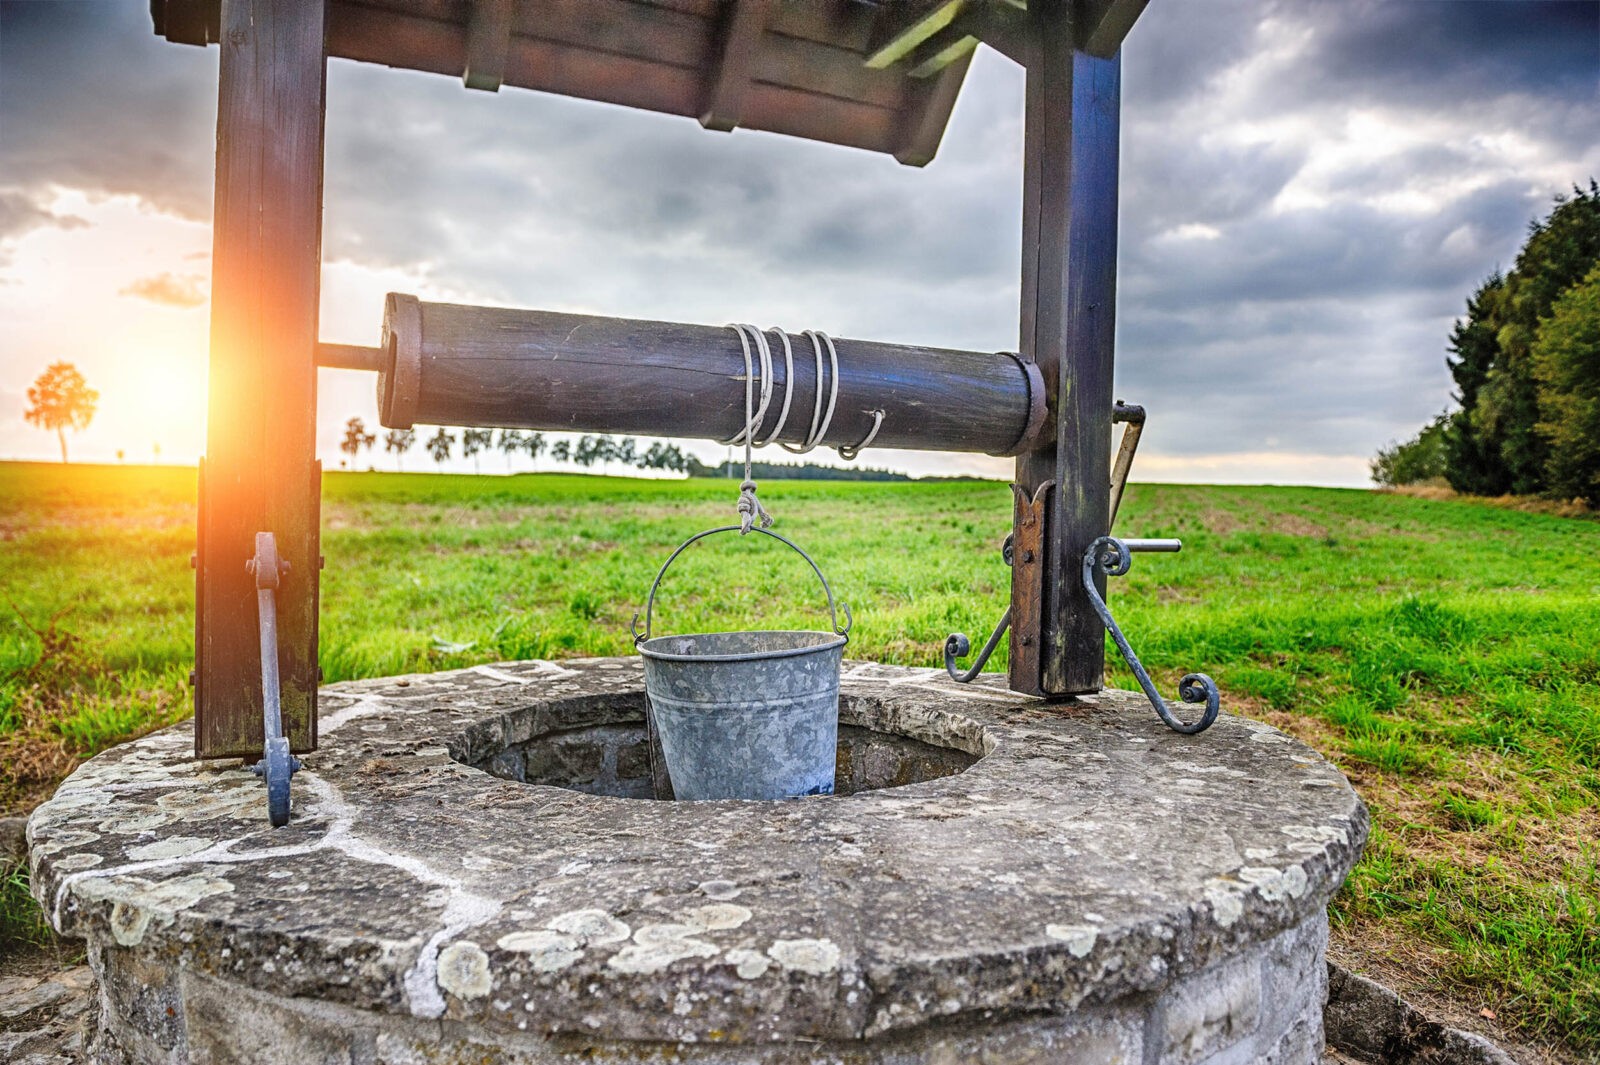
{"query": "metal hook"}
(1112, 557)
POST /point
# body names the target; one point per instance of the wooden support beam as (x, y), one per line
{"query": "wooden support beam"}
(923, 122)
(1068, 318)
(1102, 24)
(947, 46)
(488, 42)
(1002, 26)
(260, 472)
(738, 44)
(903, 27)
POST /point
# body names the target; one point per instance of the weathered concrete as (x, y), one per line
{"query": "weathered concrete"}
(1094, 887)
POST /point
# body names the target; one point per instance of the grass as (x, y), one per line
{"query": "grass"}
(1443, 652)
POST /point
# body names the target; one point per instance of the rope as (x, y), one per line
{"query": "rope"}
(819, 420)
(759, 362)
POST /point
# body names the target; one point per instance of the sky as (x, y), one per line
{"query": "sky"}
(1310, 191)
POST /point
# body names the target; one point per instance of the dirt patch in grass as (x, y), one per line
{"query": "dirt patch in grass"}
(1559, 508)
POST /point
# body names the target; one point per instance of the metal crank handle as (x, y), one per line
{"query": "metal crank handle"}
(1112, 557)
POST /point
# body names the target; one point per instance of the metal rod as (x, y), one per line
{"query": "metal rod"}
(1132, 416)
(349, 357)
(1166, 546)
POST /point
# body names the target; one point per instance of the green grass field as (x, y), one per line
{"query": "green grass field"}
(1444, 653)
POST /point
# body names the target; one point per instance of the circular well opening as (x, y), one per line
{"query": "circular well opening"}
(600, 746)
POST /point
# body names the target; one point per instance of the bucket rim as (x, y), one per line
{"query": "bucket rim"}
(832, 641)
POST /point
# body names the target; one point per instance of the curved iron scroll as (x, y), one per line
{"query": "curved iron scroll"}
(956, 645)
(1113, 557)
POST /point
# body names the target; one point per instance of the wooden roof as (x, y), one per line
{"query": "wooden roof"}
(876, 75)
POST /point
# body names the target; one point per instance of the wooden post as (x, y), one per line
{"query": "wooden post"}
(260, 472)
(1069, 256)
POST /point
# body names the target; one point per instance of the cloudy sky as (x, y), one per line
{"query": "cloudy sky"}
(1310, 190)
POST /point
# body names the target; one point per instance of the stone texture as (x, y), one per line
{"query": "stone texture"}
(1370, 1023)
(42, 1016)
(1092, 884)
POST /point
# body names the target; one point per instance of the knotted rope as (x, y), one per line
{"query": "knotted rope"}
(750, 508)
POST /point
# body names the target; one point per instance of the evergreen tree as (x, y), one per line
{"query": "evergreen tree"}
(1494, 444)
(1566, 363)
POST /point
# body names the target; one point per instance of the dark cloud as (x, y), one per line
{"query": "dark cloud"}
(1450, 52)
(90, 98)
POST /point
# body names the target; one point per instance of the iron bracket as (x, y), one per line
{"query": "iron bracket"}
(277, 765)
(1112, 557)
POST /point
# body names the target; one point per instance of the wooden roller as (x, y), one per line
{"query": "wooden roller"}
(446, 364)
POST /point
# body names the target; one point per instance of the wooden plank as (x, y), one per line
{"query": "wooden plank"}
(1068, 316)
(367, 34)
(260, 464)
(923, 122)
(738, 44)
(488, 38)
(1103, 24)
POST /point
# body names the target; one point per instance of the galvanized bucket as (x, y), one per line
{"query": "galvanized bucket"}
(745, 715)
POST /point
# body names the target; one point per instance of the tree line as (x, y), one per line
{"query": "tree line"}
(586, 451)
(1526, 365)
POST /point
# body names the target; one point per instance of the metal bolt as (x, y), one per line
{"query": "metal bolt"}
(194, 560)
(322, 563)
(191, 678)
(1027, 641)
(1027, 556)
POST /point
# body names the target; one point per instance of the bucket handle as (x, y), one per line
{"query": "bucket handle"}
(833, 608)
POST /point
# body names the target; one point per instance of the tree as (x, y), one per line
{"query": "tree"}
(628, 451)
(511, 441)
(587, 452)
(1422, 458)
(60, 400)
(439, 445)
(1566, 363)
(399, 441)
(1494, 443)
(533, 443)
(356, 437)
(474, 441)
(561, 450)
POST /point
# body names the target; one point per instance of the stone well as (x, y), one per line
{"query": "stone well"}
(476, 872)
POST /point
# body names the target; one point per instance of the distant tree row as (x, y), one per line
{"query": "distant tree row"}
(1526, 364)
(586, 451)
(785, 471)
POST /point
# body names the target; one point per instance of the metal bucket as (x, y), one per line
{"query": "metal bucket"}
(745, 715)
